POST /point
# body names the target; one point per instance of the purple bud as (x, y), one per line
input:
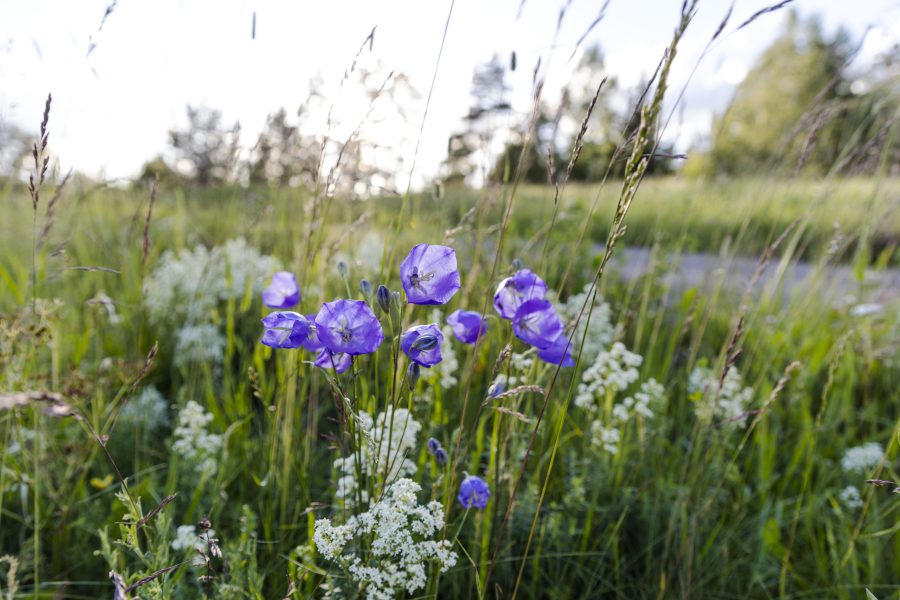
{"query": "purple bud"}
(412, 375)
(365, 286)
(342, 269)
(433, 445)
(440, 456)
(383, 297)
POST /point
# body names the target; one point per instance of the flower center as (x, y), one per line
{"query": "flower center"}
(345, 332)
(415, 278)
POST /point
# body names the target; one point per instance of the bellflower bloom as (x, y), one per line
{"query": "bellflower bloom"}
(537, 323)
(422, 344)
(473, 492)
(429, 274)
(312, 342)
(283, 293)
(514, 291)
(557, 354)
(348, 326)
(327, 359)
(285, 330)
(467, 325)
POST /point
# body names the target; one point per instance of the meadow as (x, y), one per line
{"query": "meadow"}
(258, 391)
(710, 442)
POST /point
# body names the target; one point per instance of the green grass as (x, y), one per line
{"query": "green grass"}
(685, 508)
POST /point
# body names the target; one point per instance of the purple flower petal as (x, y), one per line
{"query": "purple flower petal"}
(557, 353)
(537, 323)
(519, 288)
(467, 325)
(312, 342)
(285, 330)
(473, 492)
(348, 326)
(422, 344)
(429, 274)
(283, 292)
(329, 360)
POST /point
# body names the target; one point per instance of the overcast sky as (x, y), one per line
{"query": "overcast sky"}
(114, 103)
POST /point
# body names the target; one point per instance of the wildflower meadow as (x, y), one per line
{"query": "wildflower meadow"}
(649, 385)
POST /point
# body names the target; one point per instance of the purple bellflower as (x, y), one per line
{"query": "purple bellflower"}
(537, 323)
(473, 492)
(283, 292)
(557, 354)
(340, 362)
(348, 326)
(285, 330)
(422, 344)
(513, 291)
(429, 274)
(467, 325)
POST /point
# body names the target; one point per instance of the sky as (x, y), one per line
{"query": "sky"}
(120, 83)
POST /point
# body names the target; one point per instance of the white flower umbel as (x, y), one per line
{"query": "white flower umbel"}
(186, 538)
(600, 331)
(850, 497)
(187, 286)
(728, 403)
(149, 409)
(389, 439)
(860, 459)
(612, 372)
(399, 532)
(193, 443)
(199, 344)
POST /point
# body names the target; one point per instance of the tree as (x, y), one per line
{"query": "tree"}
(206, 151)
(788, 112)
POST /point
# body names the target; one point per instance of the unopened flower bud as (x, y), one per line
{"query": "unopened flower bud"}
(365, 286)
(383, 297)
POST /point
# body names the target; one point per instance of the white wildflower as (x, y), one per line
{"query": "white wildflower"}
(389, 440)
(187, 286)
(186, 538)
(862, 458)
(399, 530)
(193, 443)
(149, 409)
(605, 437)
(866, 310)
(612, 372)
(199, 344)
(850, 497)
(727, 403)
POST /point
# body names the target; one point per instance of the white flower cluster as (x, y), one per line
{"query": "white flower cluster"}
(388, 439)
(187, 286)
(399, 531)
(600, 330)
(149, 408)
(202, 344)
(727, 403)
(612, 372)
(850, 497)
(186, 538)
(193, 443)
(862, 458)
(650, 395)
